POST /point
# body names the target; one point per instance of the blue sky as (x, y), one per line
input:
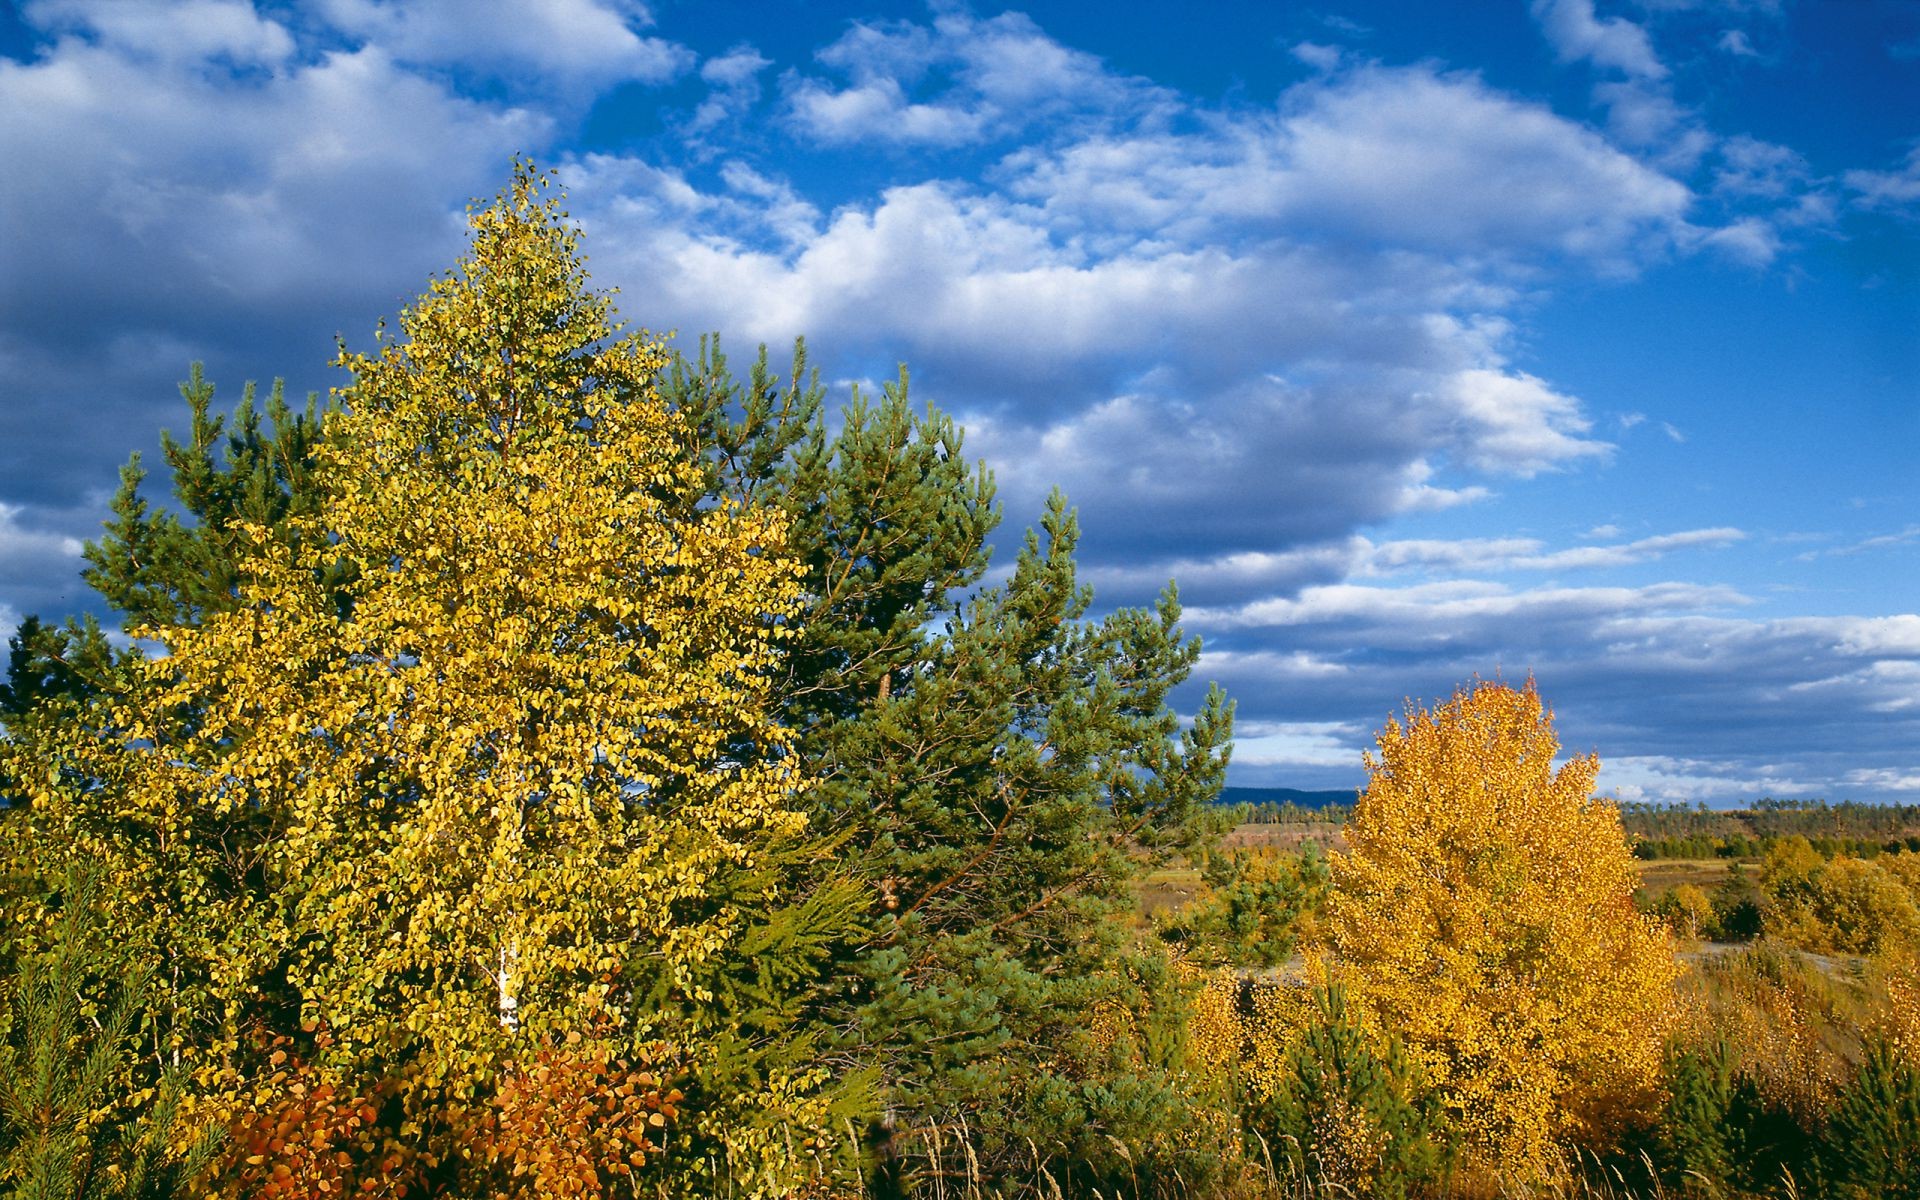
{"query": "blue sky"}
(1417, 341)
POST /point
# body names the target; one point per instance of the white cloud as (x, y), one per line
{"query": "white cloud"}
(1405, 157)
(581, 44)
(1319, 57)
(174, 31)
(879, 111)
(1885, 541)
(1297, 744)
(39, 565)
(997, 76)
(1515, 423)
(1736, 43)
(181, 211)
(1430, 613)
(733, 81)
(1577, 34)
(1680, 700)
(1896, 191)
(19, 544)
(1530, 554)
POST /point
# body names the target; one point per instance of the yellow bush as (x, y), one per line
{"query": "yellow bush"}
(1484, 914)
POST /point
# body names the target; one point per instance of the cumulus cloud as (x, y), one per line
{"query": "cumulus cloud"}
(279, 207)
(1407, 157)
(582, 44)
(1577, 34)
(173, 31)
(986, 78)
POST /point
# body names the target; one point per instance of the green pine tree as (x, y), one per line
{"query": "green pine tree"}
(66, 1131)
(997, 764)
(162, 567)
(1873, 1135)
(1351, 1114)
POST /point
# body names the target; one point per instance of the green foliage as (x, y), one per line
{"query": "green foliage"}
(1351, 1111)
(158, 567)
(994, 761)
(48, 664)
(1722, 1129)
(1261, 906)
(1873, 1135)
(1736, 906)
(67, 1130)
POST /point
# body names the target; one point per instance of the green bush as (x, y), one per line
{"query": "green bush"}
(1873, 1135)
(1351, 1112)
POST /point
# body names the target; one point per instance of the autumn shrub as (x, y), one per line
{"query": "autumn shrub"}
(1484, 915)
(1842, 905)
(298, 1134)
(1688, 912)
(1789, 1033)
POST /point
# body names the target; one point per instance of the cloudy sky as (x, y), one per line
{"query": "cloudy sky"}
(1579, 337)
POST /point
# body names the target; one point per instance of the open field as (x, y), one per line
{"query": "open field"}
(1289, 836)
(1661, 876)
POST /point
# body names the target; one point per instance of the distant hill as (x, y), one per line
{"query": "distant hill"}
(1278, 795)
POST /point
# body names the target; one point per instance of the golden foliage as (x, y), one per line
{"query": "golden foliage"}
(1484, 914)
(492, 787)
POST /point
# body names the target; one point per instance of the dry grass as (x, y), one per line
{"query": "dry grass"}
(1289, 837)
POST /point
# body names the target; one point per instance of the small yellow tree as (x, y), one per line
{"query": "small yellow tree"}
(1484, 913)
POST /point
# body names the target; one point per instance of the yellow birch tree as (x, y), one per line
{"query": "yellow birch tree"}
(502, 785)
(1484, 913)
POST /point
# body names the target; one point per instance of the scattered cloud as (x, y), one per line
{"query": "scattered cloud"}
(1895, 191)
(1886, 541)
(1577, 34)
(1530, 554)
(733, 88)
(983, 78)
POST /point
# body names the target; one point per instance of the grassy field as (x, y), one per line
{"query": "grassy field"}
(1661, 876)
(1171, 888)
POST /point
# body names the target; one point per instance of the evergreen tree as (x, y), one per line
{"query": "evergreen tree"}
(66, 1132)
(161, 567)
(1873, 1136)
(995, 762)
(1350, 1112)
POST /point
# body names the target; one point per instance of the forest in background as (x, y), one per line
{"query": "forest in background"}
(558, 766)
